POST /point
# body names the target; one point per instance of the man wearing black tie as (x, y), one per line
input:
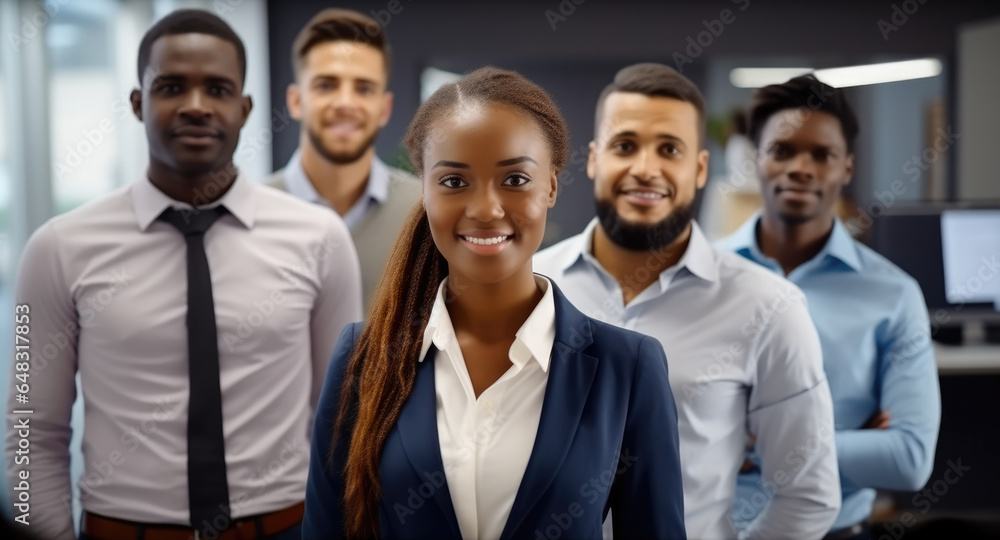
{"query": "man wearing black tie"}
(200, 311)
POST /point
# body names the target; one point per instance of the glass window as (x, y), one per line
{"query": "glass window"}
(85, 102)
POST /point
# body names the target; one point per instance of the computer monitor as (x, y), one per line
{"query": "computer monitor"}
(970, 244)
(950, 251)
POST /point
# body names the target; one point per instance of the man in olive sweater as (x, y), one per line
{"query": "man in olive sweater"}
(340, 97)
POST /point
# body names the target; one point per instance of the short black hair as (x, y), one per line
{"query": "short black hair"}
(190, 21)
(651, 79)
(804, 92)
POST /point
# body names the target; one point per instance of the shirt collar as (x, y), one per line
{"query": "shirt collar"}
(699, 257)
(298, 184)
(149, 202)
(840, 245)
(533, 340)
(579, 248)
(378, 181)
(744, 240)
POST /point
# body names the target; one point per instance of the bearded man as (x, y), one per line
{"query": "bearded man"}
(743, 353)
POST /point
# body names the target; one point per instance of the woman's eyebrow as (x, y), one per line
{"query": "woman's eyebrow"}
(453, 164)
(515, 161)
(504, 163)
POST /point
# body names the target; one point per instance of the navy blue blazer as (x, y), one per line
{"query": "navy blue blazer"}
(607, 438)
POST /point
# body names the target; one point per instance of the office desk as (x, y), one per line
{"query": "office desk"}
(968, 359)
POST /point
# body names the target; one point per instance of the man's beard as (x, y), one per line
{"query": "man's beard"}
(640, 236)
(341, 158)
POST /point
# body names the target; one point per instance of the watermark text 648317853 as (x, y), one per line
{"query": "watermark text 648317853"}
(22, 414)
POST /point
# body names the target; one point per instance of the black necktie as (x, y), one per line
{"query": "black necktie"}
(208, 490)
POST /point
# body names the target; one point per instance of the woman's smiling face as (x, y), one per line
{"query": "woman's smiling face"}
(488, 183)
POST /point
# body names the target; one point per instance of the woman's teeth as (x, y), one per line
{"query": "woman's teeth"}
(485, 241)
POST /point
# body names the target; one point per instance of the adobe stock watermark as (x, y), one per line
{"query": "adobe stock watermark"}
(223, 520)
(725, 358)
(944, 140)
(33, 24)
(795, 459)
(222, 7)
(433, 481)
(912, 345)
(95, 303)
(383, 16)
(289, 454)
(898, 16)
(987, 271)
(591, 491)
(924, 500)
(295, 275)
(468, 447)
(66, 337)
(260, 142)
(248, 324)
(563, 11)
(704, 39)
(131, 439)
(92, 137)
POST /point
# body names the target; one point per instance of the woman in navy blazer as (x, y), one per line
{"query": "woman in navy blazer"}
(607, 432)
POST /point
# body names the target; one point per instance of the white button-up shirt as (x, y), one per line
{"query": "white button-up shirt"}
(486, 442)
(744, 355)
(106, 286)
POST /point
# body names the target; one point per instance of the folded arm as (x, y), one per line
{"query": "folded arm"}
(901, 456)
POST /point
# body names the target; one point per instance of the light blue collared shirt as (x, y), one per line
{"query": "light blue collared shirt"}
(877, 353)
(376, 191)
(743, 354)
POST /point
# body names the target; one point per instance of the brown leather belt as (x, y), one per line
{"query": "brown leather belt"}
(102, 528)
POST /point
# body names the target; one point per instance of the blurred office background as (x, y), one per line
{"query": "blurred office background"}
(925, 191)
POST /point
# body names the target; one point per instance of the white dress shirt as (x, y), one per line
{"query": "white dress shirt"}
(486, 442)
(106, 285)
(744, 355)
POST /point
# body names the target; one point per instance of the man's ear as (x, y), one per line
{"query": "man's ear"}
(386, 109)
(135, 98)
(247, 106)
(293, 98)
(592, 160)
(850, 168)
(553, 189)
(702, 167)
